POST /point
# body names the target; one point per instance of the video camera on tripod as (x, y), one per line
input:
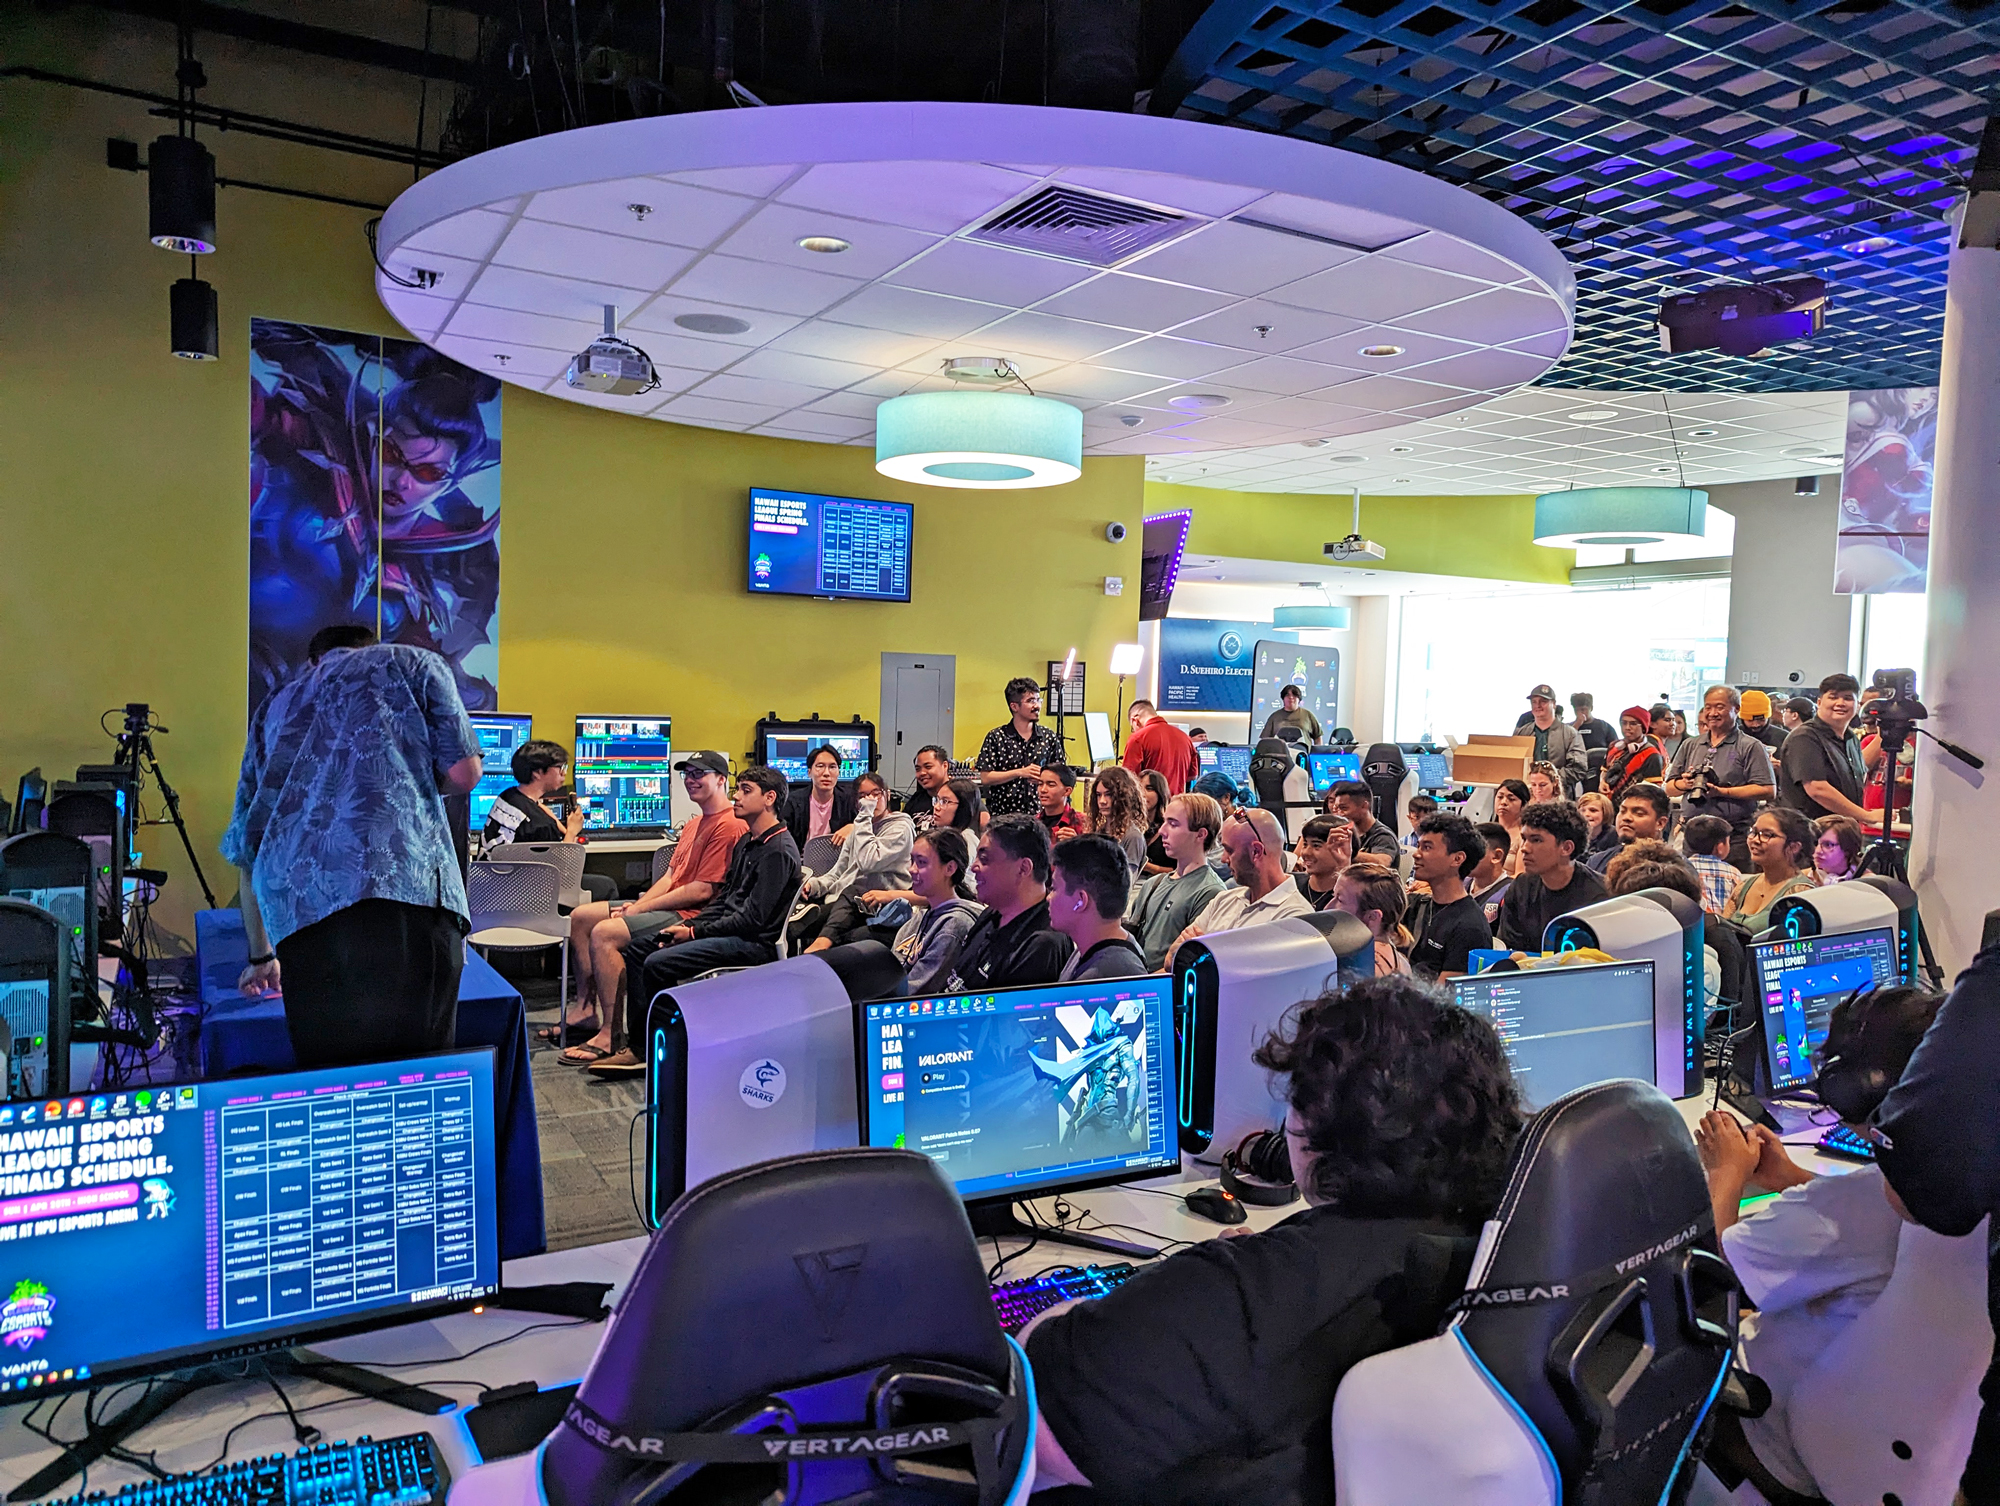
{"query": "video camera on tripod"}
(1895, 717)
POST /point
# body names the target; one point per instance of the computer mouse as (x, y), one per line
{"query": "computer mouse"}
(1216, 1205)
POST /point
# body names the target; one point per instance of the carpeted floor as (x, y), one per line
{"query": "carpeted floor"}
(589, 1175)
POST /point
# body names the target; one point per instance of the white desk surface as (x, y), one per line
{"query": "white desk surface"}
(190, 1436)
(624, 844)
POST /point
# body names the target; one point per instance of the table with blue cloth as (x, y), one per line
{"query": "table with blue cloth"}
(241, 1035)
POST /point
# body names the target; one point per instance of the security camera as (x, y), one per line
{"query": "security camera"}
(1114, 532)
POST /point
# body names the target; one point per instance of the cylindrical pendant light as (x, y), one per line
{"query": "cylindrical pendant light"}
(1314, 615)
(1623, 517)
(180, 195)
(192, 315)
(986, 440)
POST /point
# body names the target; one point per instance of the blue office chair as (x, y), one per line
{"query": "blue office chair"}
(813, 1329)
(1593, 1337)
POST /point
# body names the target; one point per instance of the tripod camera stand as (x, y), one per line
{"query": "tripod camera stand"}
(135, 746)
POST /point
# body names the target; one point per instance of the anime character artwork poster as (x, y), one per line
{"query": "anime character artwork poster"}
(374, 498)
(1885, 491)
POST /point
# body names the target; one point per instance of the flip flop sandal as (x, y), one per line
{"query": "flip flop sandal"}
(584, 1055)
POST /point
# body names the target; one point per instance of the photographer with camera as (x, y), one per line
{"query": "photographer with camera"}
(1724, 772)
(1820, 768)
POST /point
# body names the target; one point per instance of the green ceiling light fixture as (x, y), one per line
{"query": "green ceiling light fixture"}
(1622, 517)
(988, 440)
(1625, 517)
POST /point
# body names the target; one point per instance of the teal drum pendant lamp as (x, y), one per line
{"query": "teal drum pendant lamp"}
(1624, 517)
(986, 440)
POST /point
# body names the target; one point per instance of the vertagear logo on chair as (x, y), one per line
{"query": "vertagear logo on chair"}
(762, 1083)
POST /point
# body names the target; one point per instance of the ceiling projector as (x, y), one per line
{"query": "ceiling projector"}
(1354, 547)
(1744, 319)
(611, 365)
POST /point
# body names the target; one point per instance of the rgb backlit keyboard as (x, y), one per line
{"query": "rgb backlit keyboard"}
(1016, 1302)
(402, 1471)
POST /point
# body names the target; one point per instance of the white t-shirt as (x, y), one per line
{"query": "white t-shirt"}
(1234, 907)
(1813, 1259)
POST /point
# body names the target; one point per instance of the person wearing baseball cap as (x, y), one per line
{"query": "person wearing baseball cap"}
(1756, 720)
(1556, 742)
(600, 931)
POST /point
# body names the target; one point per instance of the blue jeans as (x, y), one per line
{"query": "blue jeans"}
(654, 970)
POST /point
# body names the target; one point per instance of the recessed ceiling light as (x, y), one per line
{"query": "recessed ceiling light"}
(825, 245)
(1803, 449)
(1703, 433)
(1311, 444)
(712, 324)
(1195, 401)
(1381, 352)
(1593, 415)
(1345, 459)
(1402, 449)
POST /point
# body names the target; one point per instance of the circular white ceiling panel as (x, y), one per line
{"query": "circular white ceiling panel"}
(1190, 287)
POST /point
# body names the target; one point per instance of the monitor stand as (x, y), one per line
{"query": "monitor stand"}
(284, 1364)
(996, 1220)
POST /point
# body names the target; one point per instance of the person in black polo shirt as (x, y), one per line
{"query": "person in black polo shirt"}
(1011, 944)
(1015, 752)
(1454, 925)
(1209, 1376)
(1820, 769)
(1552, 883)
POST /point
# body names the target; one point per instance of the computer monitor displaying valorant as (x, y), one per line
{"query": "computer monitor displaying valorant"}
(1566, 1027)
(172, 1226)
(1026, 1090)
(499, 735)
(1799, 982)
(623, 767)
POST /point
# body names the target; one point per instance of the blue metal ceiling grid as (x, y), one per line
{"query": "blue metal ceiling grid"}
(1664, 146)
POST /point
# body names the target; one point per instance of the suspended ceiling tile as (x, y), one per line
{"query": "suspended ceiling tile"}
(772, 235)
(1134, 303)
(674, 213)
(739, 283)
(908, 311)
(1237, 258)
(565, 250)
(920, 195)
(1381, 289)
(968, 269)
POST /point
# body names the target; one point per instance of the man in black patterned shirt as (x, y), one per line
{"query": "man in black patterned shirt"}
(1015, 753)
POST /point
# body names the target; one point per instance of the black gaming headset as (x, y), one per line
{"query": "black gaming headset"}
(1851, 1089)
(1259, 1170)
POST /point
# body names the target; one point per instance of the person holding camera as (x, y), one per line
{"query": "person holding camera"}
(1725, 772)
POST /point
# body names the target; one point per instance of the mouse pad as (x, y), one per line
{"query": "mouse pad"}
(502, 1429)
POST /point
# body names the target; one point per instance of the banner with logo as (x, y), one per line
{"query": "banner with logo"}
(1208, 663)
(374, 499)
(1885, 492)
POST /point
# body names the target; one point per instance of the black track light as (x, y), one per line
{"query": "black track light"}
(180, 194)
(192, 315)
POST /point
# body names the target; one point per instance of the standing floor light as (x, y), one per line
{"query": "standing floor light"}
(981, 440)
(1126, 659)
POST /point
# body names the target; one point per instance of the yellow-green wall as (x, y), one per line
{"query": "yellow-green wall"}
(1490, 538)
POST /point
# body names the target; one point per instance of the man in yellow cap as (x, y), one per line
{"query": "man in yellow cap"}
(1757, 720)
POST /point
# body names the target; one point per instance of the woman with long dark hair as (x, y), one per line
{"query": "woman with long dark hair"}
(1118, 811)
(1781, 852)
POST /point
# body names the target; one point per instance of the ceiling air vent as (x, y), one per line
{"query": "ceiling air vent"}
(1085, 227)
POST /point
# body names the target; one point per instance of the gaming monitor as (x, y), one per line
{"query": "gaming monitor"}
(1565, 1027)
(1026, 1091)
(787, 751)
(1433, 770)
(1097, 736)
(188, 1225)
(1231, 760)
(624, 769)
(843, 548)
(499, 735)
(1329, 769)
(1799, 982)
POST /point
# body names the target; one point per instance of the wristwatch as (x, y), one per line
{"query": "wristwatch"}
(260, 960)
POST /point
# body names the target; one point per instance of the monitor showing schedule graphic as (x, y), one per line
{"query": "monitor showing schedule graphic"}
(804, 544)
(1026, 1090)
(1566, 1027)
(499, 735)
(1329, 769)
(1799, 982)
(161, 1227)
(623, 767)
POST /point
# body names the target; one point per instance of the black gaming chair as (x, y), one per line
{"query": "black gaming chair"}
(1274, 759)
(812, 1329)
(1386, 773)
(1593, 1336)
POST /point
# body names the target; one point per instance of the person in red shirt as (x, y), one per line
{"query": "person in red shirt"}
(1159, 745)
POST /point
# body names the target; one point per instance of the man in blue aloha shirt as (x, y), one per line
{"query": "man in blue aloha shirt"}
(351, 885)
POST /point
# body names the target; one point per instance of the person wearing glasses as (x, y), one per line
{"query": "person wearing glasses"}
(522, 814)
(1724, 772)
(1781, 846)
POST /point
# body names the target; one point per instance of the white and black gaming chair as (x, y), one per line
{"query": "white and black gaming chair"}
(1595, 1331)
(809, 1330)
(1392, 783)
(1283, 784)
